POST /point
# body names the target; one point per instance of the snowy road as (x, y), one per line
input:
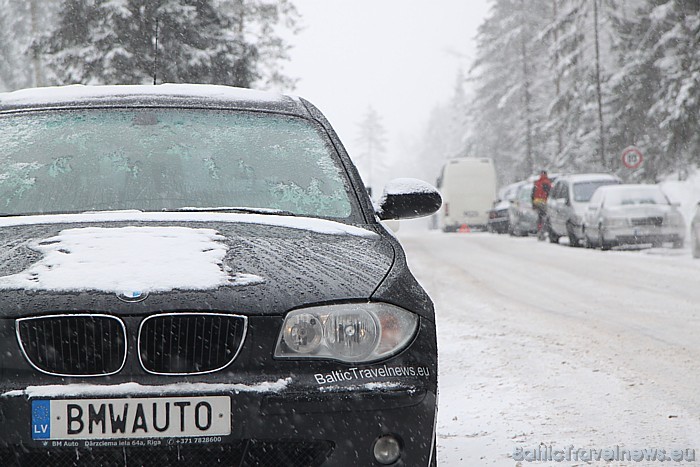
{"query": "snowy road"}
(546, 344)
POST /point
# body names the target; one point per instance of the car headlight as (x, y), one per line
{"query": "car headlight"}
(353, 332)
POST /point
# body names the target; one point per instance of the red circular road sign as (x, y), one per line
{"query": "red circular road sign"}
(632, 157)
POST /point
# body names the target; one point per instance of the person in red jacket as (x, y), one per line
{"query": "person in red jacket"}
(540, 193)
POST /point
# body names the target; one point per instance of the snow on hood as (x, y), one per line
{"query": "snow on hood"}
(126, 259)
(501, 205)
(136, 389)
(322, 226)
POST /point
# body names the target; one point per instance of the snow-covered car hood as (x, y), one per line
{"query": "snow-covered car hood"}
(264, 267)
(638, 211)
(501, 205)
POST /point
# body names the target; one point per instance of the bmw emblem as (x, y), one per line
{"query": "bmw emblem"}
(132, 296)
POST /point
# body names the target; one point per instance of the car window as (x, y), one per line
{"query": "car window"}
(525, 193)
(564, 192)
(596, 198)
(555, 190)
(584, 190)
(161, 159)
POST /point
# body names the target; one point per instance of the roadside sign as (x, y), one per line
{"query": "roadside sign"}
(632, 157)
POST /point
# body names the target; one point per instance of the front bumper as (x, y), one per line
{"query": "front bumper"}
(283, 412)
(643, 235)
(291, 429)
(526, 221)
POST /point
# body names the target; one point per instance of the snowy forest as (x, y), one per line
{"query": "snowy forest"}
(233, 42)
(567, 85)
(563, 85)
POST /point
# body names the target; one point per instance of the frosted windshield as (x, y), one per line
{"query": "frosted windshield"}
(583, 191)
(166, 159)
(635, 196)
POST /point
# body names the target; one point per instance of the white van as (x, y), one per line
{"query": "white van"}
(468, 188)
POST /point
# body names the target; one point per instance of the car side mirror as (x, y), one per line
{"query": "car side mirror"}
(408, 198)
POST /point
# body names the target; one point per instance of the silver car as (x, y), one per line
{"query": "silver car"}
(568, 201)
(695, 233)
(630, 215)
(522, 217)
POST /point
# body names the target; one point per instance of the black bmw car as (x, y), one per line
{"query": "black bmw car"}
(195, 275)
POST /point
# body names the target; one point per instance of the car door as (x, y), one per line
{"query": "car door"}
(591, 218)
(558, 208)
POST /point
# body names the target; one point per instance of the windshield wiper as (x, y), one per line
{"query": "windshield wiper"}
(245, 210)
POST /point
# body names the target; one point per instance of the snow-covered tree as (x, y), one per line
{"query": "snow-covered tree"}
(511, 76)
(371, 141)
(22, 24)
(234, 42)
(581, 59)
(445, 134)
(655, 102)
(677, 99)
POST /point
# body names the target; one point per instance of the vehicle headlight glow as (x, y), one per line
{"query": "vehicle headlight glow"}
(353, 332)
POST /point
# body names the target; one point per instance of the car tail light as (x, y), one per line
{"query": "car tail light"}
(349, 332)
(447, 209)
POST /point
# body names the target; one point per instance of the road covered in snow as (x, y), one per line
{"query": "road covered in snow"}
(549, 347)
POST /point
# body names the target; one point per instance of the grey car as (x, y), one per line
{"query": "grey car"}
(568, 201)
(695, 233)
(632, 214)
(522, 217)
(499, 215)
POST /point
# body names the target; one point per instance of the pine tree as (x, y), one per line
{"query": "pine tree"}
(234, 42)
(655, 104)
(677, 99)
(445, 134)
(372, 142)
(509, 74)
(583, 37)
(22, 24)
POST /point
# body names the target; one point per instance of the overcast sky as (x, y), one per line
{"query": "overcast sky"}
(399, 56)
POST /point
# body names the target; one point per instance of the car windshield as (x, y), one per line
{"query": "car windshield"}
(167, 159)
(584, 190)
(635, 197)
(524, 194)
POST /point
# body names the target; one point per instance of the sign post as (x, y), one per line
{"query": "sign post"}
(632, 157)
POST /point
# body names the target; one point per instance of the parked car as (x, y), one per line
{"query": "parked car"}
(499, 217)
(523, 218)
(568, 201)
(468, 187)
(695, 233)
(195, 275)
(632, 214)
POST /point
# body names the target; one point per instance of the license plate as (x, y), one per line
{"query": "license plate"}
(160, 417)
